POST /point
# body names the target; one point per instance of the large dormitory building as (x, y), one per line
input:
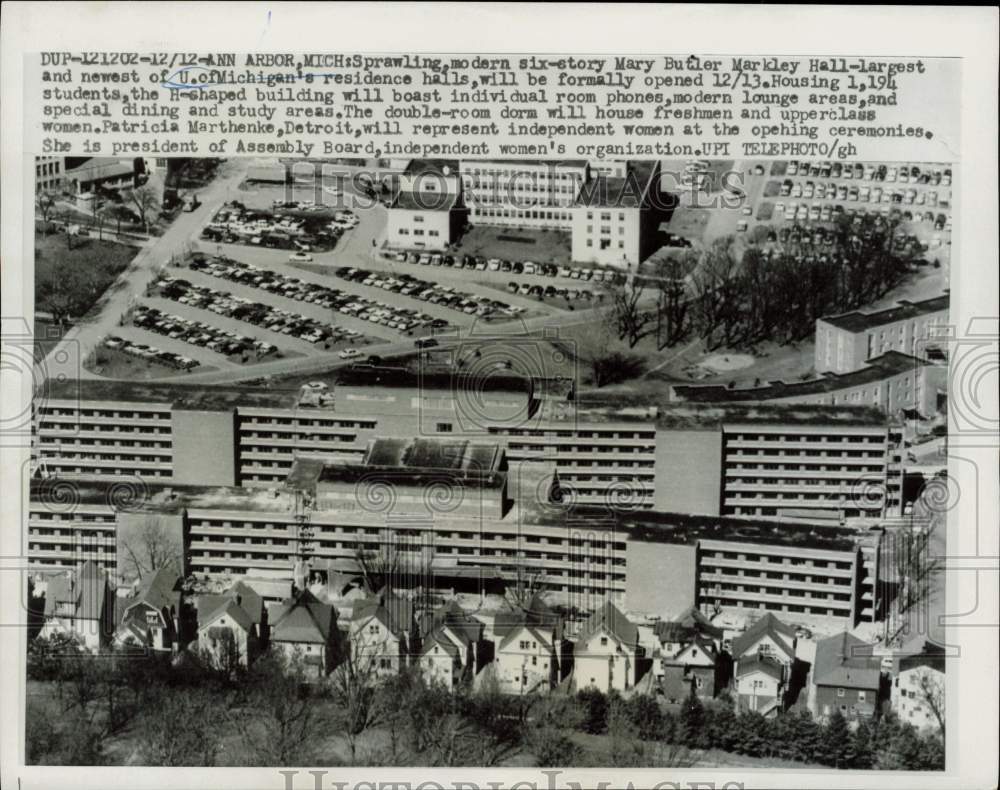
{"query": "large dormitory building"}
(645, 503)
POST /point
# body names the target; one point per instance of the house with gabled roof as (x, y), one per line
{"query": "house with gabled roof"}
(303, 628)
(232, 626)
(452, 648)
(693, 668)
(607, 652)
(80, 602)
(383, 631)
(918, 690)
(528, 654)
(152, 617)
(675, 635)
(764, 656)
(845, 676)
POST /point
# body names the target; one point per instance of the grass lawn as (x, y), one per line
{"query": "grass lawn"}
(772, 189)
(104, 260)
(47, 337)
(114, 364)
(779, 168)
(517, 244)
(689, 223)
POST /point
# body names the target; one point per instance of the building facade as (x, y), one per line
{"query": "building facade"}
(846, 342)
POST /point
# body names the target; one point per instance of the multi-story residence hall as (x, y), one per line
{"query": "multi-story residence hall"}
(846, 342)
(789, 461)
(445, 507)
(613, 215)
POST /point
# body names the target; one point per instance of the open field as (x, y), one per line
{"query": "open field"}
(91, 264)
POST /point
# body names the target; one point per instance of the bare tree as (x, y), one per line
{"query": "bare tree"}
(145, 200)
(45, 202)
(714, 292)
(118, 212)
(279, 723)
(353, 685)
(520, 591)
(931, 686)
(98, 219)
(673, 320)
(632, 322)
(145, 548)
(390, 566)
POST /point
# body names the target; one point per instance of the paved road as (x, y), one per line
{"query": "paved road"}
(355, 249)
(66, 359)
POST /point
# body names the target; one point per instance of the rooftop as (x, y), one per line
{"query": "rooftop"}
(378, 376)
(614, 406)
(456, 455)
(424, 201)
(555, 163)
(101, 167)
(644, 525)
(844, 660)
(437, 167)
(199, 397)
(619, 192)
(903, 310)
(889, 364)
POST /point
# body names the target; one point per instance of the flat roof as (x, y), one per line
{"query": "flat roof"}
(619, 192)
(540, 162)
(424, 201)
(889, 364)
(381, 376)
(657, 410)
(858, 322)
(457, 455)
(101, 167)
(645, 525)
(180, 395)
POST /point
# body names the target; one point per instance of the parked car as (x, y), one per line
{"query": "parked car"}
(300, 257)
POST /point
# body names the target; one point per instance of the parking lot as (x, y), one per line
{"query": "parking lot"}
(282, 327)
(302, 227)
(332, 300)
(823, 192)
(408, 285)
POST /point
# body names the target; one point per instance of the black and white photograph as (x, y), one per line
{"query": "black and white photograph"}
(351, 447)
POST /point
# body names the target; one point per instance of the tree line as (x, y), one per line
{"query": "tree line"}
(81, 709)
(734, 295)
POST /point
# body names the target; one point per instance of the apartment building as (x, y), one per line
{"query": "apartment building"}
(49, 173)
(846, 342)
(444, 508)
(616, 218)
(523, 193)
(824, 470)
(893, 383)
(823, 463)
(613, 214)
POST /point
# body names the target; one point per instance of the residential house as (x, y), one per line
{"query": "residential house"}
(452, 649)
(607, 651)
(232, 627)
(383, 630)
(80, 603)
(918, 694)
(764, 655)
(152, 618)
(529, 647)
(304, 628)
(846, 676)
(689, 656)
